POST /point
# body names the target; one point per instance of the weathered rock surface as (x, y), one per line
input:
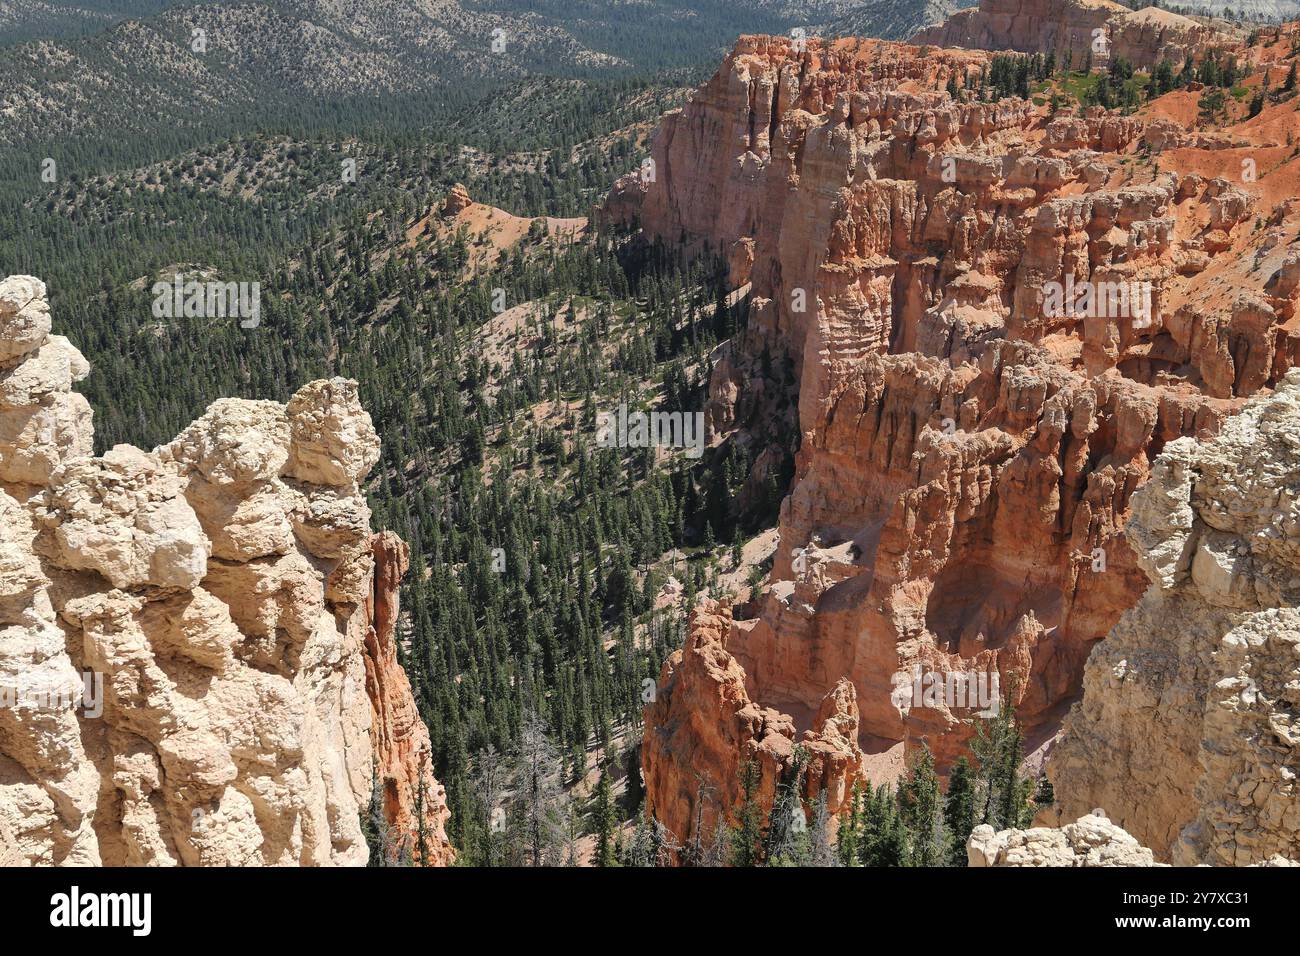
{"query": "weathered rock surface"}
(400, 738)
(1091, 840)
(1072, 29)
(457, 200)
(196, 649)
(967, 454)
(1189, 726)
(702, 716)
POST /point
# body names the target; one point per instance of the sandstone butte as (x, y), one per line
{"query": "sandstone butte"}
(229, 590)
(965, 459)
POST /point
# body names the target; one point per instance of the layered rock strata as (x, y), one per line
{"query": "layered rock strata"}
(967, 447)
(702, 717)
(1189, 727)
(1079, 31)
(187, 636)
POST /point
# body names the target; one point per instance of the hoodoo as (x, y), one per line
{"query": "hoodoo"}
(223, 591)
(964, 455)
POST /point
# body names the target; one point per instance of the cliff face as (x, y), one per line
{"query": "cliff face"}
(703, 717)
(403, 753)
(1073, 28)
(967, 452)
(1189, 728)
(188, 636)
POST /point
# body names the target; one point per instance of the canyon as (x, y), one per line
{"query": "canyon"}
(965, 457)
(1034, 367)
(227, 594)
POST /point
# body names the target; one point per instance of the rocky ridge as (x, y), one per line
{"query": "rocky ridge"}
(196, 643)
(1091, 840)
(703, 717)
(967, 455)
(1071, 30)
(1189, 727)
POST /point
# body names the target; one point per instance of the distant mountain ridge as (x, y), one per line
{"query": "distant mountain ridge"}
(1269, 10)
(185, 64)
(31, 19)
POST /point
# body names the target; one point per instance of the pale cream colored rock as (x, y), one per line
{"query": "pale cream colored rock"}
(1092, 840)
(35, 439)
(250, 689)
(21, 577)
(24, 317)
(53, 368)
(246, 521)
(1187, 729)
(332, 523)
(42, 424)
(47, 786)
(125, 517)
(235, 441)
(334, 441)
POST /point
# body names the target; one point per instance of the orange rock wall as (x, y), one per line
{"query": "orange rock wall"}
(966, 455)
(403, 753)
(1073, 28)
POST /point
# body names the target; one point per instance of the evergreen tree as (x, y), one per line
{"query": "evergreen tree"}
(604, 821)
(1002, 795)
(849, 838)
(747, 835)
(884, 836)
(959, 810)
(920, 807)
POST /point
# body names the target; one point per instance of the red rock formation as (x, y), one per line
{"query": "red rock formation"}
(403, 753)
(457, 200)
(1074, 28)
(967, 450)
(702, 717)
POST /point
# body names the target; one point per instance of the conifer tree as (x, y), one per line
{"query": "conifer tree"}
(747, 835)
(920, 808)
(605, 822)
(959, 810)
(848, 840)
(1002, 794)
